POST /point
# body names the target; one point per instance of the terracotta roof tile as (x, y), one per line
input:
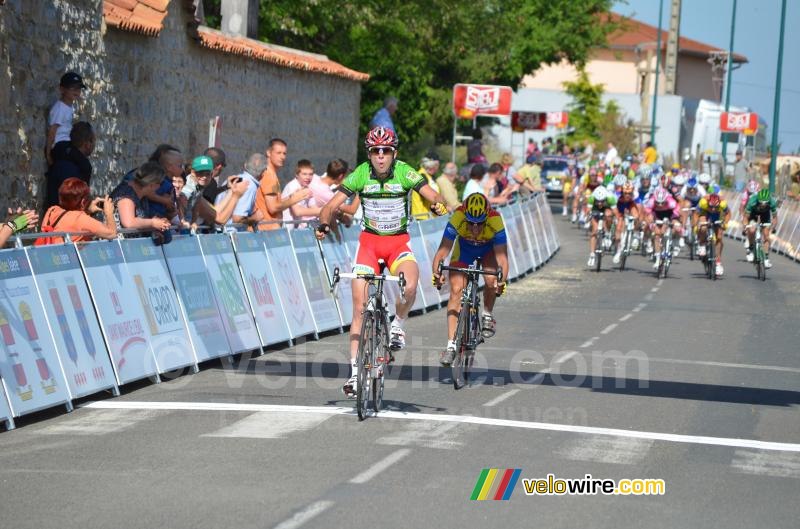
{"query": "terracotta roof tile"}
(634, 33)
(277, 55)
(140, 16)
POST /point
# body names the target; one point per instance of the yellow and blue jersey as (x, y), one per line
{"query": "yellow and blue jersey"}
(712, 213)
(467, 247)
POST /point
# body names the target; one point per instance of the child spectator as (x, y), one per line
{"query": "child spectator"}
(59, 121)
(306, 209)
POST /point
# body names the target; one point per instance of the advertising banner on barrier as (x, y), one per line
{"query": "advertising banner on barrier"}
(70, 313)
(223, 271)
(427, 296)
(432, 231)
(261, 288)
(549, 224)
(165, 325)
(513, 243)
(533, 236)
(544, 233)
(337, 256)
(196, 297)
(525, 253)
(118, 309)
(316, 284)
(29, 365)
(5, 410)
(290, 286)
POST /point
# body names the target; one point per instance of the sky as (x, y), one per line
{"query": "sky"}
(756, 37)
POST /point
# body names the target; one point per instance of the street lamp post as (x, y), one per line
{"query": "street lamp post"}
(728, 86)
(658, 65)
(776, 113)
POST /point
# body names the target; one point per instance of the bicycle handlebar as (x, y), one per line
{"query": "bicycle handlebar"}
(469, 271)
(400, 279)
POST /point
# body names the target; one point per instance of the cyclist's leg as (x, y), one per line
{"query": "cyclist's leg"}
(457, 282)
(490, 291)
(366, 262)
(593, 238)
(400, 258)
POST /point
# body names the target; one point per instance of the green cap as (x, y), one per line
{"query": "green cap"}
(202, 163)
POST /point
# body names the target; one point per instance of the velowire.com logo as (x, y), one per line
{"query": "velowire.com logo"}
(496, 484)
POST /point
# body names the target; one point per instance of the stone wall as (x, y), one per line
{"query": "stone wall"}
(149, 90)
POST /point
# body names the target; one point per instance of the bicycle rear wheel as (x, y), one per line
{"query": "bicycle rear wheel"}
(365, 354)
(457, 367)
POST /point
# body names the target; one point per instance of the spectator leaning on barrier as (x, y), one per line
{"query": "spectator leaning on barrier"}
(130, 198)
(476, 174)
(307, 209)
(490, 185)
(245, 211)
(447, 187)
(529, 176)
(70, 159)
(17, 222)
(74, 214)
(420, 208)
(199, 178)
(268, 199)
(206, 213)
(59, 120)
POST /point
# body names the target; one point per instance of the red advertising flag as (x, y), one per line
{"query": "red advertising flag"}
(557, 119)
(470, 100)
(522, 121)
(745, 122)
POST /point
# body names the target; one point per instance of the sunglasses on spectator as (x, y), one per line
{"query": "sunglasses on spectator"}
(381, 150)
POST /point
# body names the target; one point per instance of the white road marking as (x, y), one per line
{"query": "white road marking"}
(305, 515)
(725, 364)
(767, 463)
(654, 290)
(463, 419)
(626, 317)
(660, 282)
(588, 343)
(639, 307)
(265, 425)
(426, 435)
(615, 450)
(380, 466)
(105, 422)
(566, 357)
(609, 328)
(648, 297)
(500, 398)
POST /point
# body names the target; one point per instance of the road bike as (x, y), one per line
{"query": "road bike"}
(600, 237)
(759, 256)
(469, 331)
(665, 257)
(627, 240)
(710, 261)
(374, 353)
(691, 236)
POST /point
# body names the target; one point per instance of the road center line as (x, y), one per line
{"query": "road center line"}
(566, 357)
(639, 307)
(305, 515)
(590, 342)
(501, 398)
(648, 297)
(380, 466)
(654, 290)
(609, 328)
(660, 282)
(464, 419)
(626, 317)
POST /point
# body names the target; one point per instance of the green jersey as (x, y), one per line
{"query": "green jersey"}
(384, 202)
(754, 207)
(609, 202)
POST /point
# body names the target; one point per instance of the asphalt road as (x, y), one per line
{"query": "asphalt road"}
(613, 374)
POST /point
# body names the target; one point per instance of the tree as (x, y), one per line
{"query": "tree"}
(416, 50)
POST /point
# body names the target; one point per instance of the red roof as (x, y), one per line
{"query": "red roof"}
(634, 33)
(147, 17)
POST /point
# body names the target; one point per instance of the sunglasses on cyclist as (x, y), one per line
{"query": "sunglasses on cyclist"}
(381, 150)
(471, 224)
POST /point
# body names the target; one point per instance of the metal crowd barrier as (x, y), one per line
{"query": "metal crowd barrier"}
(80, 318)
(785, 240)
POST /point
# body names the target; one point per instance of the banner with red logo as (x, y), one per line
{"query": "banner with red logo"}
(744, 122)
(470, 100)
(558, 120)
(522, 121)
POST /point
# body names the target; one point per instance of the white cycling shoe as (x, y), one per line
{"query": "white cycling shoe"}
(591, 262)
(767, 263)
(750, 257)
(350, 387)
(616, 258)
(397, 338)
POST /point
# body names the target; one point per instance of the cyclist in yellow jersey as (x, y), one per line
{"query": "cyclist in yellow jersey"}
(475, 231)
(712, 208)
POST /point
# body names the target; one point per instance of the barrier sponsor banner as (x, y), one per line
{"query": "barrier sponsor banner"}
(524, 251)
(546, 234)
(70, 314)
(315, 282)
(261, 288)
(196, 297)
(290, 286)
(432, 231)
(338, 256)
(533, 236)
(223, 271)
(427, 296)
(514, 269)
(29, 365)
(167, 332)
(118, 310)
(5, 410)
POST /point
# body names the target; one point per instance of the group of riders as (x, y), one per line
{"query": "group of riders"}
(598, 192)
(656, 199)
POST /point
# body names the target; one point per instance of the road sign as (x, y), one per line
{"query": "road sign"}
(745, 122)
(470, 100)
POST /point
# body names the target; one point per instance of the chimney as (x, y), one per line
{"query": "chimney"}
(240, 18)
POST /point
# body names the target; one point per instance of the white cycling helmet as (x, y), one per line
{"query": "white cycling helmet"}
(600, 194)
(620, 180)
(617, 161)
(704, 178)
(679, 179)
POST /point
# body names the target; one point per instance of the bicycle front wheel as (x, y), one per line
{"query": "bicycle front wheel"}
(382, 342)
(366, 347)
(457, 367)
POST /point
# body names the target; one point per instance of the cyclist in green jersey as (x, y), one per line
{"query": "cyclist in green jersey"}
(383, 184)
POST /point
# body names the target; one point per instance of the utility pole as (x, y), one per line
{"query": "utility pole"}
(728, 85)
(671, 66)
(776, 113)
(658, 66)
